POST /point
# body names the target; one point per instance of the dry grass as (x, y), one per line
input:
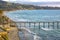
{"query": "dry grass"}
(4, 36)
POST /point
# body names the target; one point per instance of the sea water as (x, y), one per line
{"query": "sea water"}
(37, 16)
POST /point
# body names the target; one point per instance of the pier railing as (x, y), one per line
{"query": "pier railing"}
(49, 25)
(35, 25)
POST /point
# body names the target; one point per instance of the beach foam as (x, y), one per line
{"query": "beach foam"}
(46, 29)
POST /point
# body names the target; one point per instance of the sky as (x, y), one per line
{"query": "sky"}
(34, 0)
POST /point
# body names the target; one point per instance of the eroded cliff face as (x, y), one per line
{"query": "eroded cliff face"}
(5, 20)
(8, 26)
(2, 17)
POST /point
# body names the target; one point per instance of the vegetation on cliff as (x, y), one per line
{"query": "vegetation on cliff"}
(14, 6)
(3, 33)
(6, 28)
(3, 19)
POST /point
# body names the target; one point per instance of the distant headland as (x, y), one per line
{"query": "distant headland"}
(7, 6)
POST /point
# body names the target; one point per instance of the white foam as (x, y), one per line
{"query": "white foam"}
(46, 29)
(34, 34)
(22, 20)
(37, 37)
(18, 20)
(28, 30)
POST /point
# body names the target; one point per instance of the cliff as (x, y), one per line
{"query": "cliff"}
(8, 27)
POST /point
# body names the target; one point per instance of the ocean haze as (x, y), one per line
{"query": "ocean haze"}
(49, 4)
(53, 4)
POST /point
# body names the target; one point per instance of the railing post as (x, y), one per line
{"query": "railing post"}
(53, 25)
(24, 24)
(20, 25)
(34, 26)
(44, 24)
(48, 24)
(39, 25)
(39, 28)
(29, 24)
(57, 25)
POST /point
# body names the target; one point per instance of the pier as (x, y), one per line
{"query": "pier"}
(49, 25)
(31, 30)
(28, 28)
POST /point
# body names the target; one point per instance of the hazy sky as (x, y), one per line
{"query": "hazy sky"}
(35, 0)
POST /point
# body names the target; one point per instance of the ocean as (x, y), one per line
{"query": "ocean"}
(37, 16)
(34, 15)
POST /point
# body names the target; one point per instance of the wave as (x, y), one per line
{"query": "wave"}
(46, 29)
(36, 37)
(22, 20)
